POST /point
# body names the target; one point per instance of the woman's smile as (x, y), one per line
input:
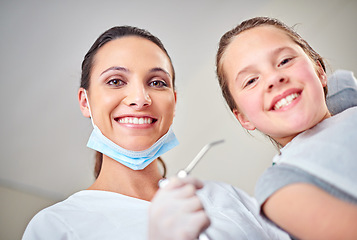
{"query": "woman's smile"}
(140, 122)
(133, 101)
(137, 120)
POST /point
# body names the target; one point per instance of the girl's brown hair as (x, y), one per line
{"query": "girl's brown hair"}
(229, 36)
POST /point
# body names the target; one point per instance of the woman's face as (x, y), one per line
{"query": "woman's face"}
(131, 93)
(276, 86)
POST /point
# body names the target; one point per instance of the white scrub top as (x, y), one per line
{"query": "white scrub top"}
(91, 214)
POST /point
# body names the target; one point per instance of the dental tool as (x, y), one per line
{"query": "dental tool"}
(185, 172)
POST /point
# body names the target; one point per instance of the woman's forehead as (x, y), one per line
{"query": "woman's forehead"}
(131, 52)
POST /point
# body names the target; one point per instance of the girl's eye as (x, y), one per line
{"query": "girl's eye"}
(158, 83)
(285, 61)
(116, 82)
(250, 81)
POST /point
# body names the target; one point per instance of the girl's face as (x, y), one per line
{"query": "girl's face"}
(276, 86)
(131, 93)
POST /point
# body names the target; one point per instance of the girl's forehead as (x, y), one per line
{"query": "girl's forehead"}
(261, 35)
(258, 40)
(256, 46)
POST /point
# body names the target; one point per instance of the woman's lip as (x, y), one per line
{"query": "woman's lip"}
(279, 97)
(136, 120)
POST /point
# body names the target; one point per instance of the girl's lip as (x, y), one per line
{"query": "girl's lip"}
(283, 95)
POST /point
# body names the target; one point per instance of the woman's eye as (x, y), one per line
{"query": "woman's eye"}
(116, 82)
(158, 83)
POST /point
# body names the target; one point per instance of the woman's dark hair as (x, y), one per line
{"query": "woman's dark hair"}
(87, 65)
(112, 34)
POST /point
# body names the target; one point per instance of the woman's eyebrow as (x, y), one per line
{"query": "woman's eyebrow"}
(115, 68)
(158, 69)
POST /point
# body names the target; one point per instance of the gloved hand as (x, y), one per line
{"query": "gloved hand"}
(176, 212)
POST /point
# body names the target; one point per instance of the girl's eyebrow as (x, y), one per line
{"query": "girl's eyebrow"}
(117, 68)
(245, 69)
(274, 52)
(281, 49)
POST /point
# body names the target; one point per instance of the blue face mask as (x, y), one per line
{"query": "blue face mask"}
(136, 160)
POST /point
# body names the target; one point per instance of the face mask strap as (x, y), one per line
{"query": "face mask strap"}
(90, 112)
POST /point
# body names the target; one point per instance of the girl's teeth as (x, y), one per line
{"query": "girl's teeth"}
(136, 120)
(285, 101)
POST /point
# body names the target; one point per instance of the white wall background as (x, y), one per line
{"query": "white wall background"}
(43, 154)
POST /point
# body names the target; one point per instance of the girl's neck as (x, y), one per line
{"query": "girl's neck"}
(115, 177)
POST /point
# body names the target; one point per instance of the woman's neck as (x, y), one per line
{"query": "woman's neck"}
(115, 177)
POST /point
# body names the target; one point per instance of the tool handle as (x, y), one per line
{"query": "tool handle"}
(203, 236)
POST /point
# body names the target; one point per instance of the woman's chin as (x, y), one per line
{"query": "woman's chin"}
(136, 145)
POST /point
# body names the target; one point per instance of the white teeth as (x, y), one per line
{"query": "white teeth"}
(134, 120)
(285, 101)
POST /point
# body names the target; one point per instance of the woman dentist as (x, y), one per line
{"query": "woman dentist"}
(128, 91)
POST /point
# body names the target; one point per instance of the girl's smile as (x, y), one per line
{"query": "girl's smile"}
(277, 88)
(284, 100)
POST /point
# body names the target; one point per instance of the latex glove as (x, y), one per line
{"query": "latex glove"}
(176, 212)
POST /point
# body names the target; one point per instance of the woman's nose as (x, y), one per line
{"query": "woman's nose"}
(138, 97)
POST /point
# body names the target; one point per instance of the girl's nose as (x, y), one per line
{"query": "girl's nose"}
(275, 80)
(138, 97)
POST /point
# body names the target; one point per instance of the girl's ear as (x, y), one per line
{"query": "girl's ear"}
(83, 104)
(243, 120)
(322, 75)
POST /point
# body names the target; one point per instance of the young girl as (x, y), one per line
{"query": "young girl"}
(273, 81)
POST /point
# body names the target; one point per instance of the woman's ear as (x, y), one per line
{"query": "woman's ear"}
(175, 94)
(243, 120)
(83, 102)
